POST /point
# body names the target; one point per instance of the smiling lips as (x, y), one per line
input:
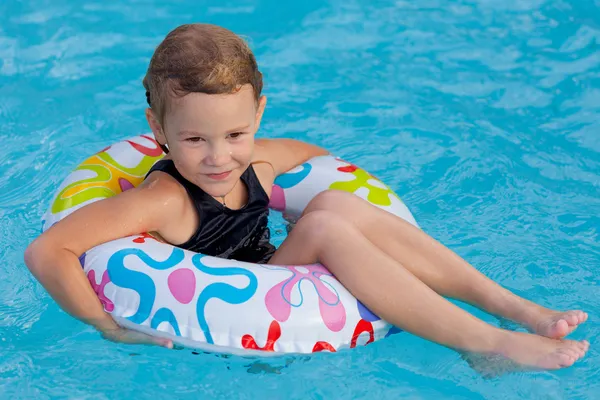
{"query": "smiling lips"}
(219, 177)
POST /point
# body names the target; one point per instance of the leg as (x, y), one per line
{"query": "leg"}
(391, 291)
(440, 268)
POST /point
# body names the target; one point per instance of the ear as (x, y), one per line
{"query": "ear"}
(155, 127)
(262, 103)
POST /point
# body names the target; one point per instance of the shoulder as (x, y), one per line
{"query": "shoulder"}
(156, 205)
(162, 192)
(160, 184)
(159, 195)
(178, 217)
(285, 154)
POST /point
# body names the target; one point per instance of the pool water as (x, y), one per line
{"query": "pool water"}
(484, 115)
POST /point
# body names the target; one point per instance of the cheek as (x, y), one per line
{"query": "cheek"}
(242, 151)
(187, 158)
(189, 152)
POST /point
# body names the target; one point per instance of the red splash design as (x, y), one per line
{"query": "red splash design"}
(273, 335)
(142, 238)
(349, 168)
(152, 152)
(99, 289)
(322, 346)
(361, 327)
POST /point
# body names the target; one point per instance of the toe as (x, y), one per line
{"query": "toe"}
(586, 345)
(572, 352)
(561, 328)
(565, 360)
(572, 318)
(580, 348)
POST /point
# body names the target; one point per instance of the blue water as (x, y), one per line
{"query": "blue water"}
(483, 114)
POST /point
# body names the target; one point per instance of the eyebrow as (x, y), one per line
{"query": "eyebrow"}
(190, 132)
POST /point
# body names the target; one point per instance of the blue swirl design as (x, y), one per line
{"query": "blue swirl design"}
(223, 291)
(369, 316)
(365, 313)
(162, 315)
(82, 260)
(291, 179)
(138, 281)
(393, 330)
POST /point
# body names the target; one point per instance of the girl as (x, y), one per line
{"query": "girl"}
(210, 195)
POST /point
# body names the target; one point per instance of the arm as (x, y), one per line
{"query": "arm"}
(285, 154)
(53, 257)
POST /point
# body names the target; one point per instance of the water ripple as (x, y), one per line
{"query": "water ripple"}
(482, 114)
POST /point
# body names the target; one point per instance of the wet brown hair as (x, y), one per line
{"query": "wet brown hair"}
(199, 58)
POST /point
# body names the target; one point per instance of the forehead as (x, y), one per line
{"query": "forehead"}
(213, 111)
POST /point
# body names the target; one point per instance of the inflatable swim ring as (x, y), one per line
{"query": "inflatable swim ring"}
(215, 304)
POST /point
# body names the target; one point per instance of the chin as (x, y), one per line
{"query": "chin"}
(217, 189)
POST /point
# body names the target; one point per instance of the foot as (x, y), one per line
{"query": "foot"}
(556, 324)
(523, 351)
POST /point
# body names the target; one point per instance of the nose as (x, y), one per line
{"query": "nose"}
(219, 155)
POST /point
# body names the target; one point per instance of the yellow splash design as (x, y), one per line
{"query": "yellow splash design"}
(377, 195)
(105, 183)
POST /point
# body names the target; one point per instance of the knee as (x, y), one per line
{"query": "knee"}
(328, 200)
(320, 226)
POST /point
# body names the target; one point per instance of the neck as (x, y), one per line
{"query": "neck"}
(222, 197)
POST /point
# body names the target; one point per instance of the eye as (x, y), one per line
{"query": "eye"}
(194, 139)
(235, 135)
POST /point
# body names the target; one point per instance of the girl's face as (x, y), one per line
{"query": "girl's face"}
(211, 136)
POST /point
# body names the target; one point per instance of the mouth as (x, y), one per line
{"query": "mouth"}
(219, 177)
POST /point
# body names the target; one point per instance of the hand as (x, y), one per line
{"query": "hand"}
(128, 336)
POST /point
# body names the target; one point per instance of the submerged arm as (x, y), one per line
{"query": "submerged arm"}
(53, 258)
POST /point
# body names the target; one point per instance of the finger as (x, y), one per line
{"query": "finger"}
(132, 337)
(142, 338)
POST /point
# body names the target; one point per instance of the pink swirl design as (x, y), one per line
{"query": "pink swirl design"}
(279, 298)
(99, 289)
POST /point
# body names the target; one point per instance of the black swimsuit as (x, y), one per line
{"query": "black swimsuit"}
(241, 234)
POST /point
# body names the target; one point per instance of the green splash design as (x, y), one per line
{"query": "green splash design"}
(377, 195)
(91, 192)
